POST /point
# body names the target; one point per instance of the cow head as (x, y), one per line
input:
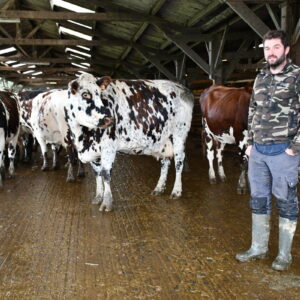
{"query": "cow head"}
(85, 104)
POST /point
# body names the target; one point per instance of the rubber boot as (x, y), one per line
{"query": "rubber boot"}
(260, 239)
(286, 234)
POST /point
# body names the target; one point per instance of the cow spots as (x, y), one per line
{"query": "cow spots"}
(173, 95)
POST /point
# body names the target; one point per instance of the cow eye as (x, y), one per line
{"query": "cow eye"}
(86, 95)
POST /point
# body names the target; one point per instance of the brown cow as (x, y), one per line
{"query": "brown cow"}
(225, 116)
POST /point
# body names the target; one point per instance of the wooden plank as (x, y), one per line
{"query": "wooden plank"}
(53, 42)
(58, 15)
(248, 16)
(189, 52)
(47, 70)
(155, 61)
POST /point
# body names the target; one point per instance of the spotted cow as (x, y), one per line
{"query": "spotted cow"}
(44, 115)
(150, 117)
(225, 116)
(9, 130)
(26, 136)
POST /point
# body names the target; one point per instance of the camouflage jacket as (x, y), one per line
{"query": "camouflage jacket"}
(274, 111)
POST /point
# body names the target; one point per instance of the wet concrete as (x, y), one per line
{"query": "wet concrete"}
(54, 244)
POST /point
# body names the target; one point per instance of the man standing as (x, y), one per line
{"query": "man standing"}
(273, 150)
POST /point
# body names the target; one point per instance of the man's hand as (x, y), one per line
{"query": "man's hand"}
(290, 152)
(248, 150)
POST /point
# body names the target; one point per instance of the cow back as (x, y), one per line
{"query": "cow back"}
(225, 107)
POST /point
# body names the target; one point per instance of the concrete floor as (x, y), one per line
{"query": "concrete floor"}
(54, 244)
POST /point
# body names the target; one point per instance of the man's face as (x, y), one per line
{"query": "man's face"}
(275, 53)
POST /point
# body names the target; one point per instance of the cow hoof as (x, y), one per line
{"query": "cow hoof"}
(55, 167)
(105, 207)
(70, 179)
(156, 192)
(213, 181)
(223, 179)
(175, 195)
(45, 168)
(81, 175)
(241, 191)
(97, 200)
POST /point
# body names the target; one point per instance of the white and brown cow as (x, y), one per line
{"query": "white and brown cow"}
(45, 116)
(149, 117)
(225, 117)
(26, 139)
(9, 130)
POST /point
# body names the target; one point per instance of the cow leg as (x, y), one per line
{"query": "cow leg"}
(242, 183)
(2, 148)
(28, 145)
(45, 166)
(80, 171)
(219, 150)
(107, 160)
(210, 157)
(55, 164)
(21, 146)
(71, 164)
(99, 183)
(179, 156)
(11, 155)
(161, 184)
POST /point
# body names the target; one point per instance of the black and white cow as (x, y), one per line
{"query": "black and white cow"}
(9, 130)
(149, 117)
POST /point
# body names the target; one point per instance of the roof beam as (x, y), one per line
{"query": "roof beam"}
(46, 70)
(52, 42)
(156, 63)
(248, 16)
(35, 29)
(140, 17)
(59, 15)
(273, 16)
(32, 60)
(199, 61)
(44, 79)
(139, 32)
(7, 4)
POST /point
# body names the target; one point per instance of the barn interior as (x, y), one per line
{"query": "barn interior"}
(54, 243)
(49, 43)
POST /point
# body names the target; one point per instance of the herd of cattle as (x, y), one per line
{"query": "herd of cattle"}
(96, 118)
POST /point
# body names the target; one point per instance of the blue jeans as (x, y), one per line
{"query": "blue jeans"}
(277, 175)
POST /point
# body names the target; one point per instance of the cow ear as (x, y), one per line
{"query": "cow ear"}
(103, 82)
(74, 86)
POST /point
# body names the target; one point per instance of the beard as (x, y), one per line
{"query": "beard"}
(277, 62)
